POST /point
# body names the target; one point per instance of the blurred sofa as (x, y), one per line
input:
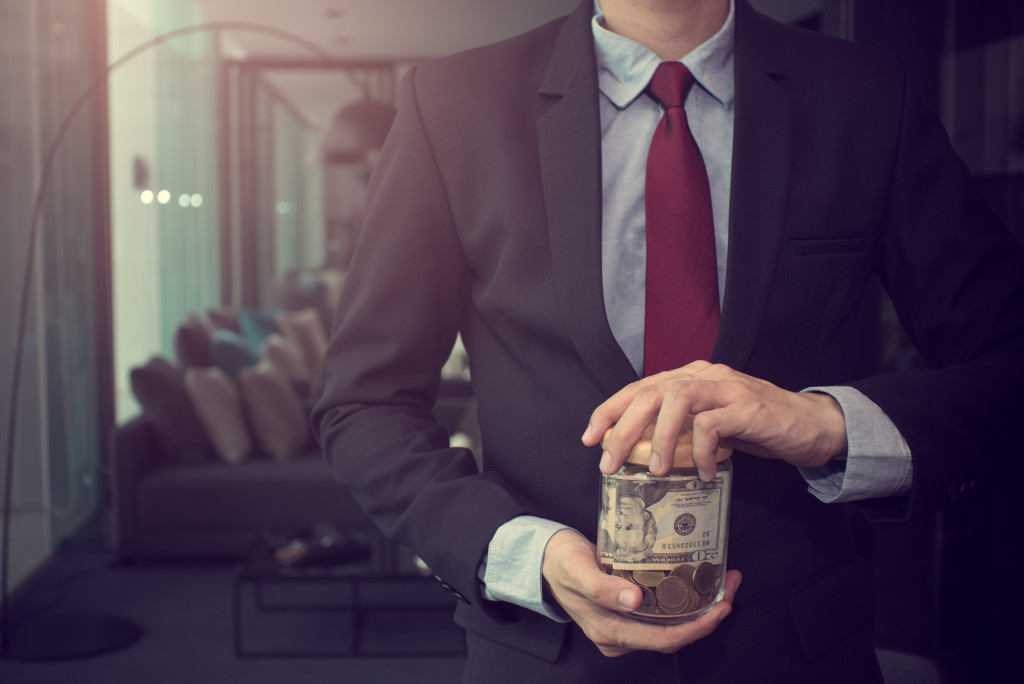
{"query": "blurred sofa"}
(166, 509)
(222, 450)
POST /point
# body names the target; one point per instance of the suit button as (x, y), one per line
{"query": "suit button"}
(454, 592)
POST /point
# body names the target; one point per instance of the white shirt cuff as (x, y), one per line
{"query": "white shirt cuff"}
(878, 462)
(511, 571)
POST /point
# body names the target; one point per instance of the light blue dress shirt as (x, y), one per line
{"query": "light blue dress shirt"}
(878, 462)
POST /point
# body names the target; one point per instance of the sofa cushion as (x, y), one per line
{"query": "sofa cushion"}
(273, 412)
(223, 318)
(219, 407)
(286, 357)
(306, 332)
(231, 353)
(160, 389)
(256, 324)
(192, 343)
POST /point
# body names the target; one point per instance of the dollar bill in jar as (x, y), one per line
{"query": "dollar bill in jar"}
(669, 534)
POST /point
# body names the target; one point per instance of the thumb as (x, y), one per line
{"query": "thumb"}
(611, 592)
(570, 564)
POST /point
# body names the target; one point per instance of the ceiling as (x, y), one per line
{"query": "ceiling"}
(383, 28)
(407, 30)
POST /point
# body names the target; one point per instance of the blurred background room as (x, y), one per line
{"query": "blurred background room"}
(181, 189)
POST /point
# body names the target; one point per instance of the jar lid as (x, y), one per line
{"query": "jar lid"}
(683, 457)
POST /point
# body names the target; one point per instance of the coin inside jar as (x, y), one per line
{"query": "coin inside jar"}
(705, 577)
(648, 578)
(692, 600)
(649, 603)
(685, 572)
(673, 595)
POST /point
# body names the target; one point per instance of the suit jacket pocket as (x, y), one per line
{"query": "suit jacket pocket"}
(837, 245)
(830, 608)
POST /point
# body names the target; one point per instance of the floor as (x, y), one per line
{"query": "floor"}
(185, 612)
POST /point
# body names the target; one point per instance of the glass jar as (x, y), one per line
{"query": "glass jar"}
(668, 535)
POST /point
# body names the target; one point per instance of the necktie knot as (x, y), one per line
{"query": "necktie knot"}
(670, 84)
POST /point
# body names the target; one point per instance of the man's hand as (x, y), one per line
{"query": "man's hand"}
(598, 603)
(804, 429)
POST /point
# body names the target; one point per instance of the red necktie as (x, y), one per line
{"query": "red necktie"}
(682, 314)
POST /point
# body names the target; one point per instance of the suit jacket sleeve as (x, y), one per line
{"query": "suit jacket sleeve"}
(956, 277)
(395, 325)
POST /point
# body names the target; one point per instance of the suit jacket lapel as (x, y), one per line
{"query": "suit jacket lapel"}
(762, 144)
(569, 139)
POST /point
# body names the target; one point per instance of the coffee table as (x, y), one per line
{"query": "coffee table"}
(340, 610)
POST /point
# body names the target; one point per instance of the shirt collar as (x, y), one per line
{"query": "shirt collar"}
(626, 67)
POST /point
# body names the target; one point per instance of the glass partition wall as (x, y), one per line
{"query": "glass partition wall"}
(164, 180)
(289, 208)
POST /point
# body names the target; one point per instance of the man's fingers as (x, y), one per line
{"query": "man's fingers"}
(608, 413)
(630, 427)
(729, 409)
(668, 402)
(708, 432)
(570, 563)
(610, 592)
(672, 421)
(733, 578)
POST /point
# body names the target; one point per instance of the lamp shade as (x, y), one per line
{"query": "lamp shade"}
(355, 130)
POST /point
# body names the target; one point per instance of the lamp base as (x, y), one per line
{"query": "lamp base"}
(69, 636)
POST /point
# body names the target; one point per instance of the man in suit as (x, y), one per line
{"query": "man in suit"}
(507, 205)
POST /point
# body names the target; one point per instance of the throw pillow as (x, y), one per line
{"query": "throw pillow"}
(256, 324)
(224, 318)
(192, 343)
(160, 389)
(286, 357)
(216, 402)
(230, 352)
(272, 411)
(306, 331)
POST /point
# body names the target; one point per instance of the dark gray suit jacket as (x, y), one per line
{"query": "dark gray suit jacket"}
(484, 216)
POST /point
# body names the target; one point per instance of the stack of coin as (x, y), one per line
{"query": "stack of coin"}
(648, 578)
(685, 589)
(675, 596)
(705, 578)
